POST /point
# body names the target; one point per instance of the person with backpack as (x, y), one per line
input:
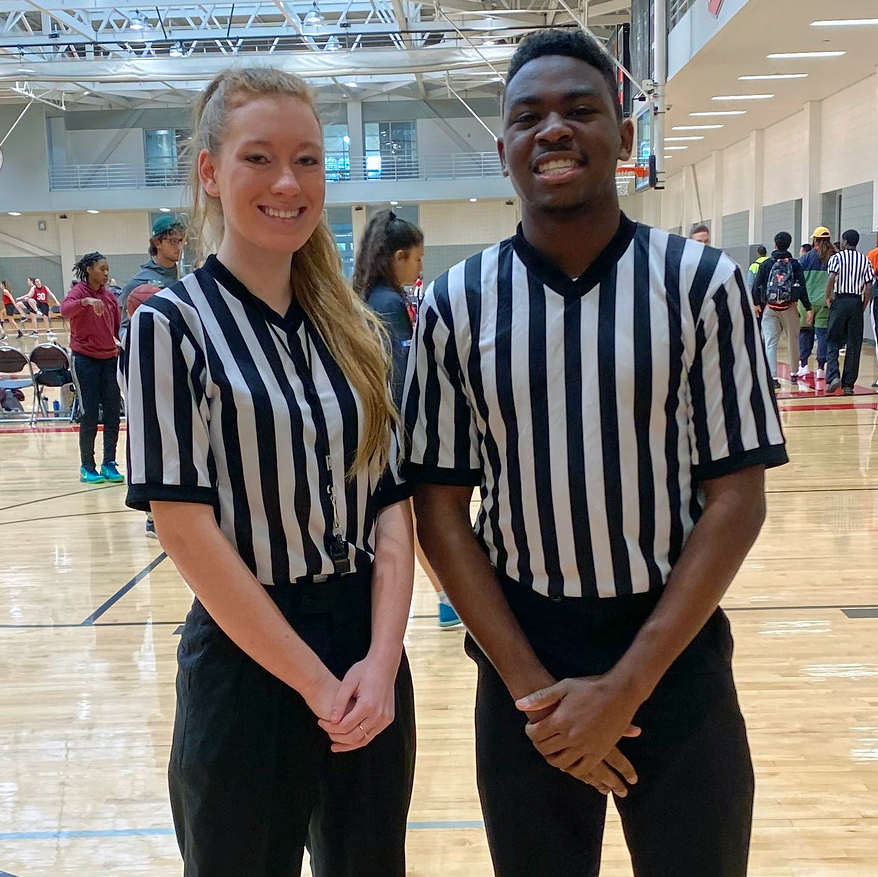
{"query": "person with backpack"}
(779, 285)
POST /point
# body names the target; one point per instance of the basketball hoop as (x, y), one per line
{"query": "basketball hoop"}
(623, 186)
(624, 174)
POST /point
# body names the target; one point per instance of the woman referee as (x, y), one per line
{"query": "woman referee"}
(262, 434)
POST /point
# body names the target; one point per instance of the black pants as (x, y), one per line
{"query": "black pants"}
(690, 813)
(98, 386)
(845, 329)
(252, 779)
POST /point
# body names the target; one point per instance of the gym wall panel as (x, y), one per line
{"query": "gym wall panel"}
(736, 229)
(856, 212)
(737, 177)
(26, 230)
(112, 233)
(785, 216)
(447, 223)
(441, 258)
(785, 160)
(849, 142)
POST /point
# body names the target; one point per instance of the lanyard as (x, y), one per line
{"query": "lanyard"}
(337, 546)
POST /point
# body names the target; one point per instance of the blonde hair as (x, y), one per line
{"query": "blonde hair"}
(352, 333)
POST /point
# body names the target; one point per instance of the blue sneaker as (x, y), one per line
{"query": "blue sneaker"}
(447, 616)
(111, 473)
(90, 476)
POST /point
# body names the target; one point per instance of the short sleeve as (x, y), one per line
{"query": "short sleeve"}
(441, 439)
(834, 264)
(734, 421)
(393, 487)
(169, 454)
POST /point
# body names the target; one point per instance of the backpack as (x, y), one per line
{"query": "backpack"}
(780, 285)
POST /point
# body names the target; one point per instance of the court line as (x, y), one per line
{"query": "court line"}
(163, 832)
(148, 623)
(18, 505)
(61, 517)
(841, 406)
(88, 622)
(6, 874)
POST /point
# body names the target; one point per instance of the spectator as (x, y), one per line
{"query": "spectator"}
(873, 310)
(389, 259)
(9, 308)
(814, 268)
(165, 252)
(804, 250)
(850, 279)
(93, 314)
(40, 294)
(761, 256)
(27, 306)
(700, 233)
(779, 284)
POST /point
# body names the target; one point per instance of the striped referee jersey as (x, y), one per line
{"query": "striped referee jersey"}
(233, 405)
(854, 271)
(588, 411)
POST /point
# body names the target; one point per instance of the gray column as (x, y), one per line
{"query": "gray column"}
(811, 203)
(757, 195)
(716, 220)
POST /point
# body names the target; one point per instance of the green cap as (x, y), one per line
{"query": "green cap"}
(165, 223)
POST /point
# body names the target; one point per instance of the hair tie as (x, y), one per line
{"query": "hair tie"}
(391, 216)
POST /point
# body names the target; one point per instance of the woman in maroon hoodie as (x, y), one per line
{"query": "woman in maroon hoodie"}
(94, 317)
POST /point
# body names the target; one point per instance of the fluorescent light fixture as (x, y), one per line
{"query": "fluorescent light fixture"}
(721, 113)
(844, 22)
(743, 97)
(669, 148)
(394, 203)
(680, 139)
(774, 76)
(14, 213)
(350, 85)
(473, 200)
(93, 211)
(805, 55)
(696, 127)
(164, 209)
(136, 21)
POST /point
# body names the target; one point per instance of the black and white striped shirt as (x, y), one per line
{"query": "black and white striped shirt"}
(854, 270)
(588, 411)
(221, 403)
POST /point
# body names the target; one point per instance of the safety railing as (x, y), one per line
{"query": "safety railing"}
(339, 169)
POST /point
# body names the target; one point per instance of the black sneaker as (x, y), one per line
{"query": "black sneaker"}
(794, 379)
(832, 386)
(20, 334)
(848, 391)
(775, 383)
(150, 529)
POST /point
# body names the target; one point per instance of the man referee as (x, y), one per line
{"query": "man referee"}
(604, 385)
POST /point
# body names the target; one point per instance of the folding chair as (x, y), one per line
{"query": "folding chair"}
(13, 364)
(49, 367)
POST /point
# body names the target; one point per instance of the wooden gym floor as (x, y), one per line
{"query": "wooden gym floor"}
(89, 617)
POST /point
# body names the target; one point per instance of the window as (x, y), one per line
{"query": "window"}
(342, 227)
(337, 152)
(166, 152)
(391, 150)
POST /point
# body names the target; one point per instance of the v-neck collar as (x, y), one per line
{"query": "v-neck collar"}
(553, 277)
(289, 322)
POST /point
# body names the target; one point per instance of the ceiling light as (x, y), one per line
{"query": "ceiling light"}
(743, 97)
(774, 76)
(394, 203)
(346, 140)
(694, 137)
(696, 127)
(721, 113)
(669, 148)
(844, 22)
(314, 17)
(136, 21)
(14, 213)
(93, 211)
(176, 51)
(332, 44)
(805, 55)
(473, 200)
(350, 85)
(164, 209)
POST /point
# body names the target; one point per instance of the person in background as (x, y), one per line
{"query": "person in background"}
(848, 293)
(761, 256)
(779, 285)
(814, 268)
(26, 305)
(40, 294)
(93, 314)
(262, 379)
(162, 269)
(803, 250)
(9, 309)
(700, 233)
(389, 258)
(873, 308)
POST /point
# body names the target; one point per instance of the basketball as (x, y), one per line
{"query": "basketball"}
(139, 295)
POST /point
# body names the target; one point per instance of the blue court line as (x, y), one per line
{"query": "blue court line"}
(164, 832)
(6, 874)
(123, 591)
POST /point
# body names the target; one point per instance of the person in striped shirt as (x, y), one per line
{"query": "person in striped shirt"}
(262, 434)
(603, 385)
(848, 293)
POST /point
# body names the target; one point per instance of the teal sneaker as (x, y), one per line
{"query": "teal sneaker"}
(112, 473)
(447, 616)
(90, 476)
